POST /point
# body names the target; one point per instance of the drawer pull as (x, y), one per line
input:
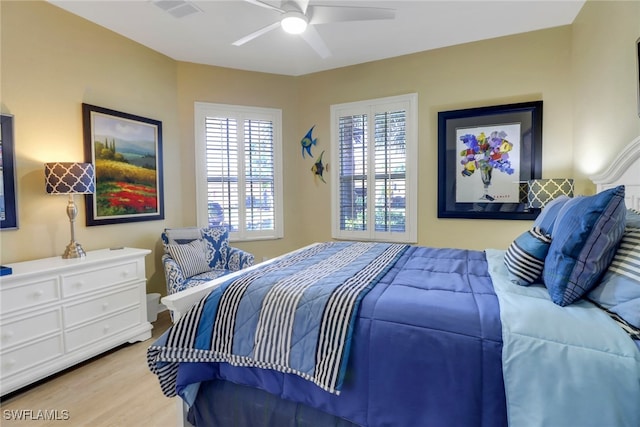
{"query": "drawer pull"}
(79, 284)
(105, 329)
(10, 363)
(38, 293)
(105, 306)
(7, 335)
(125, 273)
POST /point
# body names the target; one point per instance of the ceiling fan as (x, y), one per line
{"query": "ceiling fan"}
(298, 17)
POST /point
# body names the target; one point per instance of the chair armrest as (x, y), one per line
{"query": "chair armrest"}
(237, 259)
(173, 274)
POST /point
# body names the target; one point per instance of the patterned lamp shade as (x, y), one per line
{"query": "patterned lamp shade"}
(542, 191)
(69, 178)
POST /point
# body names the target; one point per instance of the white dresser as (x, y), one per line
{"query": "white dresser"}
(57, 312)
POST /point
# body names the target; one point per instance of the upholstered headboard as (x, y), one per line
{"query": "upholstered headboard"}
(624, 170)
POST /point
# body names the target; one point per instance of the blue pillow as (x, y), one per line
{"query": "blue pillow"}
(619, 290)
(217, 243)
(633, 218)
(549, 213)
(525, 257)
(586, 234)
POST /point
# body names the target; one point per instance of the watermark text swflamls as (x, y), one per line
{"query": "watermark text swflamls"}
(36, 415)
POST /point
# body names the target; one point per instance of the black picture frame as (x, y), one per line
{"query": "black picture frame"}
(462, 192)
(8, 204)
(126, 151)
(638, 70)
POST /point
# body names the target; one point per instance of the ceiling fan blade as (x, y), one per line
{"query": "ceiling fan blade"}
(312, 37)
(328, 14)
(303, 5)
(265, 5)
(256, 34)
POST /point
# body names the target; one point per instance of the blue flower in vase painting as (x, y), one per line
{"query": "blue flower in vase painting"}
(486, 153)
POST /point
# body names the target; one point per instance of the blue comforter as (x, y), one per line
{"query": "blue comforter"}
(426, 351)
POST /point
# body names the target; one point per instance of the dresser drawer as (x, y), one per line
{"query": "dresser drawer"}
(21, 297)
(85, 335)
(28, 329)
(101, 278)
(31, 355)
(87, 310)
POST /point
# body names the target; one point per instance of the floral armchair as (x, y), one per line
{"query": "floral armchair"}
(196, 255)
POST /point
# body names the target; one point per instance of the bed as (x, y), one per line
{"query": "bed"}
(424, 336)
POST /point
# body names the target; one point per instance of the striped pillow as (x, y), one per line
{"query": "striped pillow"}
(619, 290)
(191, 257)
(525, 257)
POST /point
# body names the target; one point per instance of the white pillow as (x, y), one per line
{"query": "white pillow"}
(191, 257)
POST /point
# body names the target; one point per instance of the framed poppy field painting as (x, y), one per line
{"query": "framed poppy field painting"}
(126, 151)
(485, 157)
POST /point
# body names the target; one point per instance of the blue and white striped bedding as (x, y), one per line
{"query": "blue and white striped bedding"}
(294, 315)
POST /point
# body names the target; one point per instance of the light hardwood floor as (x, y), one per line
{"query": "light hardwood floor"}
(114, 389)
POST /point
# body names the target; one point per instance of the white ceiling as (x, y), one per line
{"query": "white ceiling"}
(206, 37)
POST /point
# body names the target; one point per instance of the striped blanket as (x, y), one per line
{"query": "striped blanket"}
(295, 315)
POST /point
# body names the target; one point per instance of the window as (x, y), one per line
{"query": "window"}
(375, 147)
(238, 172)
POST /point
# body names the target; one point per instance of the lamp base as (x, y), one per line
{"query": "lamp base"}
(74, 250)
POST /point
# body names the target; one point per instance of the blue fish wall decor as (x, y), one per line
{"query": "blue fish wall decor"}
(307, 142)
(318, 169)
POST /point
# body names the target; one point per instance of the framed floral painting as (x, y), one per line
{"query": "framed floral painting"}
(126, 151)
(485, 155)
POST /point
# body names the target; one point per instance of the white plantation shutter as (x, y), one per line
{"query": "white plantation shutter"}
(353, 176)
(376, 153)
(259, 173)
(222, 171)
(390, 155)
(240, 167)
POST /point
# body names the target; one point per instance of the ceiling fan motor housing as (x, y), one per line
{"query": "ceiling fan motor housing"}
(294, 22)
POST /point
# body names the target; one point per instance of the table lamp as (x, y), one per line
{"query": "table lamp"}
(70, 178)
(542, 191)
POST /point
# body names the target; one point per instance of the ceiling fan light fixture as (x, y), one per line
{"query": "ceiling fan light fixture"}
(294, 22)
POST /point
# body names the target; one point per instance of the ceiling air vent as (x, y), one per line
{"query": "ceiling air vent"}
(177, 8)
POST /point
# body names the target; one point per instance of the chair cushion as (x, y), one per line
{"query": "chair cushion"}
(191, 257)
(205, 277)
(181, 235)
(586, 234)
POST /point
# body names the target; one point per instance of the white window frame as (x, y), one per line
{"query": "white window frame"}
(202, 110)
(408, 103)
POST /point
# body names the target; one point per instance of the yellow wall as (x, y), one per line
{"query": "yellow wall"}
(520, 68)
(605, 76)
(53, 61)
